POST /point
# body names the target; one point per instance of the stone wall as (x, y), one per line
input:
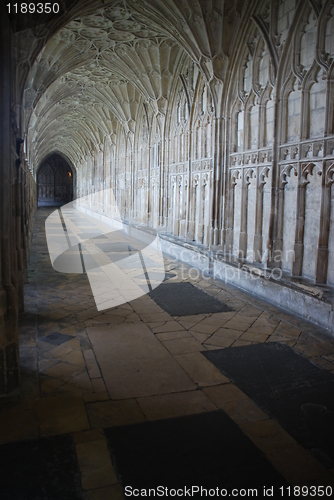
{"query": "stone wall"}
(17, 206)
(210, 121)
(245, 165)
(282, 114)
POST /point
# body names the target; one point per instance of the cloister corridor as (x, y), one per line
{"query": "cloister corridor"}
(166, 249)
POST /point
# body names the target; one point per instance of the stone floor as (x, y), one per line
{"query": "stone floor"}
(83, 371)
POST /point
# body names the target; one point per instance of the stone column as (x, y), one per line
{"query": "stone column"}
(8, 297)
(274, 242)
(190, 223)
(217, 188)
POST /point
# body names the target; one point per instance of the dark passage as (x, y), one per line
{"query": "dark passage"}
(54, 182)
(208, 450)
(289, 387)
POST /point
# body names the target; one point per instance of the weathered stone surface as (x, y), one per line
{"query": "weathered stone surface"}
(230, 156)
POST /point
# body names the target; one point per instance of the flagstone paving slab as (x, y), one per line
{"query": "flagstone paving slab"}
(136, 362)
(175, 405)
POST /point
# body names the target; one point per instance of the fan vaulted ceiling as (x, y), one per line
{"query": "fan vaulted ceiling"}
(110, 56)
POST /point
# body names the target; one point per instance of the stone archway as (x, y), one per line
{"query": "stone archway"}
(54, 182)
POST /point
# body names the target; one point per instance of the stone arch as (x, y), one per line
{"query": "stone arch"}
(316, 109)
(267, 123)
(291, 109)
(237, 126)
(252, 122)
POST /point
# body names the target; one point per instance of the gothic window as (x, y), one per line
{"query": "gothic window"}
(264, 69)
(207, 139)
(329, 38)
(185, 110)
(247, 81)
(181, 148)
(286, 11)
(294, 110)
(204, 100)
(178, 112)
(198, 141)
(270, 122)
(317, 107)
(254, 127)
(240, 131)
(308, 42)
